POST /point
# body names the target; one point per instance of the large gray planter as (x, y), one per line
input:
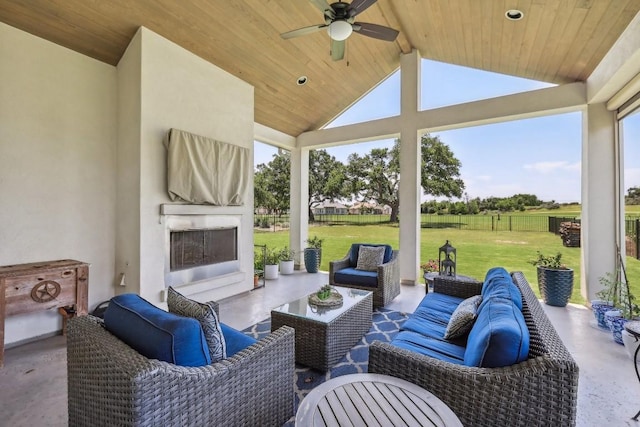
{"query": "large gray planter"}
(312, 259)
(555, 286)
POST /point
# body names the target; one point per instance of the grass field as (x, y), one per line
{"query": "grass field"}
(477, 251)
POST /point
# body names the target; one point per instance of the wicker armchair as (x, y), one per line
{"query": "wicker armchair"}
(541, 391)
(111, 384)
(388, 283)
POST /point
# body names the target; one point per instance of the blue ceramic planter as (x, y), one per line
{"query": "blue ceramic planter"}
(555, 286)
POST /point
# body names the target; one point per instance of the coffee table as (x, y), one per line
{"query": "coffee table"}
(373, 400)
(325, 334)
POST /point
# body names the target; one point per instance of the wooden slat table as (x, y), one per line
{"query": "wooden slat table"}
(372, 400)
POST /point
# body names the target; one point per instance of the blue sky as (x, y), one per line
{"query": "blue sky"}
(539, 156)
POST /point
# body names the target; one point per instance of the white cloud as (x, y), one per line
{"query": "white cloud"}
(548, 167)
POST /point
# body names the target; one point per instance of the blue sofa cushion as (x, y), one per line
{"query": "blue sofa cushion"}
(355, 249)
(236, 340)
(428, 346)
(428, 323)
(357, 277)
(203, 313)
(440, 302)
(498, 283)
(499, 336)
(155, 333)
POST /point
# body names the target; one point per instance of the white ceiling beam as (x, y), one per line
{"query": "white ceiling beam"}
(618, 67)
(273, 137)
(541, 102)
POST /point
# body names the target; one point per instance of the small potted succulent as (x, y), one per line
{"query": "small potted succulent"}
(324, 292)
(555, 280)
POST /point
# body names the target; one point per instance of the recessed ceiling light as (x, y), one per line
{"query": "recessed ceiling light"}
(302, 80)
(514, 14)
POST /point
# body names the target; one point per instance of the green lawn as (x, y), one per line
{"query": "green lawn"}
(477, 251)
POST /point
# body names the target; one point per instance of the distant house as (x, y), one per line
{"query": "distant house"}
(362, 208)
(330, 208)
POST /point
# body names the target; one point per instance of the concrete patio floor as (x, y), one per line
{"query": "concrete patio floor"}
(34, 387)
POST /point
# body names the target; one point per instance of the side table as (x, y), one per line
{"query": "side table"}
(633, 327)
(429, 278)
(373, 400)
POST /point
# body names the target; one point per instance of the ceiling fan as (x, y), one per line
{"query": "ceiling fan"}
(339, 20)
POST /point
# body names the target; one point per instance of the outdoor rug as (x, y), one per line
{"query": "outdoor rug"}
(385, 325)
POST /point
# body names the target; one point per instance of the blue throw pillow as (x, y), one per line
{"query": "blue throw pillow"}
(206, 315)
(155, 333)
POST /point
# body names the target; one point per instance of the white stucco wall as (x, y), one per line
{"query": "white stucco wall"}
(57, 165)
(179, 90)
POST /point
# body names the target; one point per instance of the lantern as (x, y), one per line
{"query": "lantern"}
(447, 260)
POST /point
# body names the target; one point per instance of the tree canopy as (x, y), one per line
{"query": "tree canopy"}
(326, 179)
(271, 183)
(372, 177)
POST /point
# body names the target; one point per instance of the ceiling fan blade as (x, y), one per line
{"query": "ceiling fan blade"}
(337, 49)
(376, 31)
(359, 6)
(321, 4)
(302, 31)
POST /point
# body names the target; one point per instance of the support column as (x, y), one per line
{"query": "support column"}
(410, 161)
(299, 202)
(600, 197)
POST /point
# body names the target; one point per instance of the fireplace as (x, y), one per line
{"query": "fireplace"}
(195, 248)
(201, 248)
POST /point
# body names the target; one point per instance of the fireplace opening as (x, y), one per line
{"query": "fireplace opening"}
(195, 248)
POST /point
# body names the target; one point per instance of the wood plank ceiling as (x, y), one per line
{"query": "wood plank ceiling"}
(557, 41)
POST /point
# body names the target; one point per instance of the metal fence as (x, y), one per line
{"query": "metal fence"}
(497, 222)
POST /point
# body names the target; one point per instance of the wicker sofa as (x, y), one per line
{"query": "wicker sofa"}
(384, 282)
(109, 383)
(539, 391)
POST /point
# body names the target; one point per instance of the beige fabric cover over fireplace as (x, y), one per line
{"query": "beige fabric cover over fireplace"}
(202, 170)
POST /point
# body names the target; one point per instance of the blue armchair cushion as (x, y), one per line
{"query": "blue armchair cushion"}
(235, 340)
(356, 277)
(498, 283)
(155, 333)
(499, 336)
(203, 313)
(355, 250)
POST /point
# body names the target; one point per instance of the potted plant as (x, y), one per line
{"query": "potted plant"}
(271, 264)
(286, 260)
(555, 280)
(313, 254)
(607, 297)
(616, 292)
(258, 268)
(429, 270)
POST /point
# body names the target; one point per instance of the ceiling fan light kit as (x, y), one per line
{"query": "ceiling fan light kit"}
(339, 20)
(339, 30)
